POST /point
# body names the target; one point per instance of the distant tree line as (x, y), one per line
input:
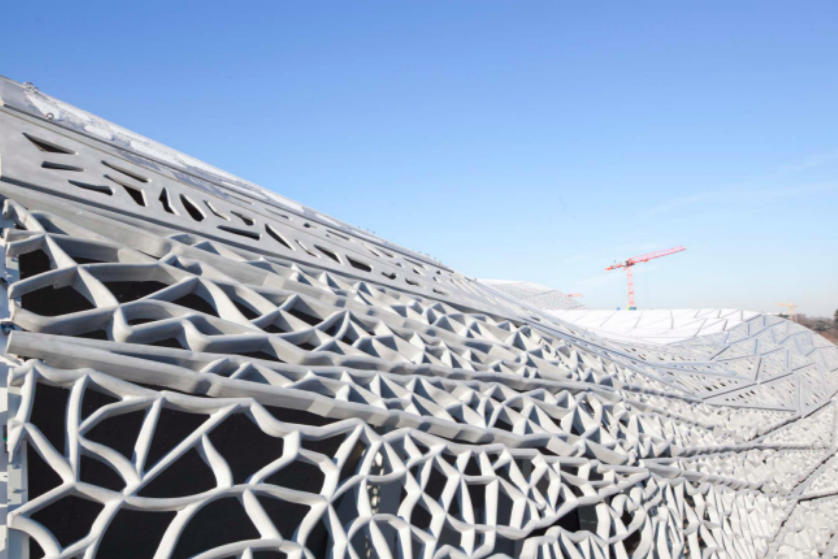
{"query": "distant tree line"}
(826, 327)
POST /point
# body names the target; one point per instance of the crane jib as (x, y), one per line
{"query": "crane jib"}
(627, 264)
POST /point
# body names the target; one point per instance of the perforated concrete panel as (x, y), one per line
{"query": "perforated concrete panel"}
(199, 368)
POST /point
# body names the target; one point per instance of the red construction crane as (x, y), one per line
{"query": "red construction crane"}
(628, 264)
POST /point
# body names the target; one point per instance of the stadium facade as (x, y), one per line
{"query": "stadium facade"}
(198, 367)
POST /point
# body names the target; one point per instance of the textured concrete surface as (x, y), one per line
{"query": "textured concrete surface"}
(541, 297)
(197, 367)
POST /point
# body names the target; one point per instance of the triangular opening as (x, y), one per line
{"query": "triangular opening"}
(359, 265)
(102, 189)
(277, 237)
(48, 147)
(135, 193)
(192, 209)
(126, 172)
(164, 199)
(172, 428)
(328, 253)
(61, 167)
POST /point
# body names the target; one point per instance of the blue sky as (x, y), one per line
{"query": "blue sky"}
(532, 140)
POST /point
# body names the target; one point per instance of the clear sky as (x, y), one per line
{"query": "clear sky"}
(530, 140)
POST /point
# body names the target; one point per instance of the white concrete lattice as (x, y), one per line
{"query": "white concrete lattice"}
(200, 368)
